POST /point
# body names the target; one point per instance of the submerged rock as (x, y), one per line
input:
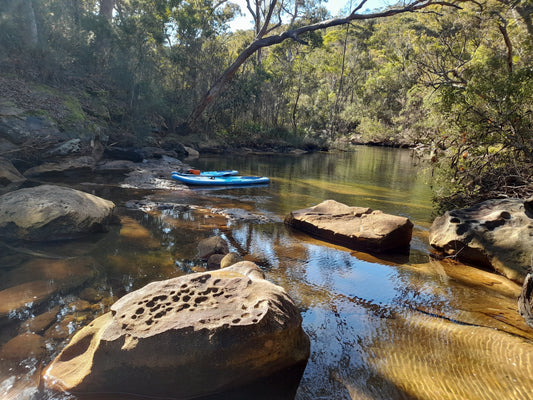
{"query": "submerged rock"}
(357, 228)
(40, 322)
(214, 261)
(229, 259)
(210, 246)
(49, 212)
(494, 234)
(37, 280)
(23, 346)
(186, 337)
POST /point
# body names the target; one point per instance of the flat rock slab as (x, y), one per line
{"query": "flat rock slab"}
(357, 228)
(187, 337)
(495, 234)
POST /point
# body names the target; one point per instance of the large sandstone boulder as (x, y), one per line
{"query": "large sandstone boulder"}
(51, 212)
(357, 228)
(187, 337)
(66, 165)
(495, 234)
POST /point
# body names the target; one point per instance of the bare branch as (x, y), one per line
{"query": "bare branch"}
(267, 19)
(219, 4)
(358, 7)
(249, 7)
(294, 34)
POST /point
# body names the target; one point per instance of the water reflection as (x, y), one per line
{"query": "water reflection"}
(394, 328)
(392, 180)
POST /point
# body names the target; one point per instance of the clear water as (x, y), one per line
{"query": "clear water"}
(394, 327)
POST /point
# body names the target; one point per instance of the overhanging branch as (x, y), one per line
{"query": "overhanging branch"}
(294, 34)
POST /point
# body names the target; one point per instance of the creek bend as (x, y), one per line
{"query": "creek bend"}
(393, 327)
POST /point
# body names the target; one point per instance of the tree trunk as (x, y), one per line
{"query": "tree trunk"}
(31, 37)
(106, 9)
(526, 14)
(505, 34)
(103, 40)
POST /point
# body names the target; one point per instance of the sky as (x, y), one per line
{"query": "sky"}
(334, 6)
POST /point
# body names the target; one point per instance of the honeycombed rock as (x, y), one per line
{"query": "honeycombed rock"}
(187, 337)
(495, 234)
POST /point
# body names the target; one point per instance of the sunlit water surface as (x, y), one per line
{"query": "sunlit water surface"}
(395, 327)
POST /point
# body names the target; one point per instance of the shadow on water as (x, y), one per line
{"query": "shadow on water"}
(381, 327)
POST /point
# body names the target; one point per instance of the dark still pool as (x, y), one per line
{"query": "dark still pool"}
(380, 327)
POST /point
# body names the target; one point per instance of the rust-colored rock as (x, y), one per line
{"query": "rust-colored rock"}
(23, 346)
(47, 278)
(357, 228)
(186, 337)
(40, 322)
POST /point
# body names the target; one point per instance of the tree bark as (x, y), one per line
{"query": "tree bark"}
(106, 9)
(508, 44)
(526, 15)
(31, 37)
(294, 34)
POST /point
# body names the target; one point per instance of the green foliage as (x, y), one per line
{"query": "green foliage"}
(458, 82)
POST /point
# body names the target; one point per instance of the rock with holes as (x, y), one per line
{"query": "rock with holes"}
(357, 228)
(50, 212)
(495, 234)
(192, 336)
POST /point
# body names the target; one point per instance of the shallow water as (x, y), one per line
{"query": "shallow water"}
(395, 327)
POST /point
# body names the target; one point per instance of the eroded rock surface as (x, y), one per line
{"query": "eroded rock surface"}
(495, 234)
(71, 165)
(187, 337)
(49, 212)
(10, 177)
(358, 228)
(525, 300)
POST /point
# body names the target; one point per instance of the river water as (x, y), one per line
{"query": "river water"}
(389, 327)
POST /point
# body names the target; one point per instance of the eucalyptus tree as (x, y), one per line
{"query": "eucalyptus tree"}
(478, 67)
(267, 37)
